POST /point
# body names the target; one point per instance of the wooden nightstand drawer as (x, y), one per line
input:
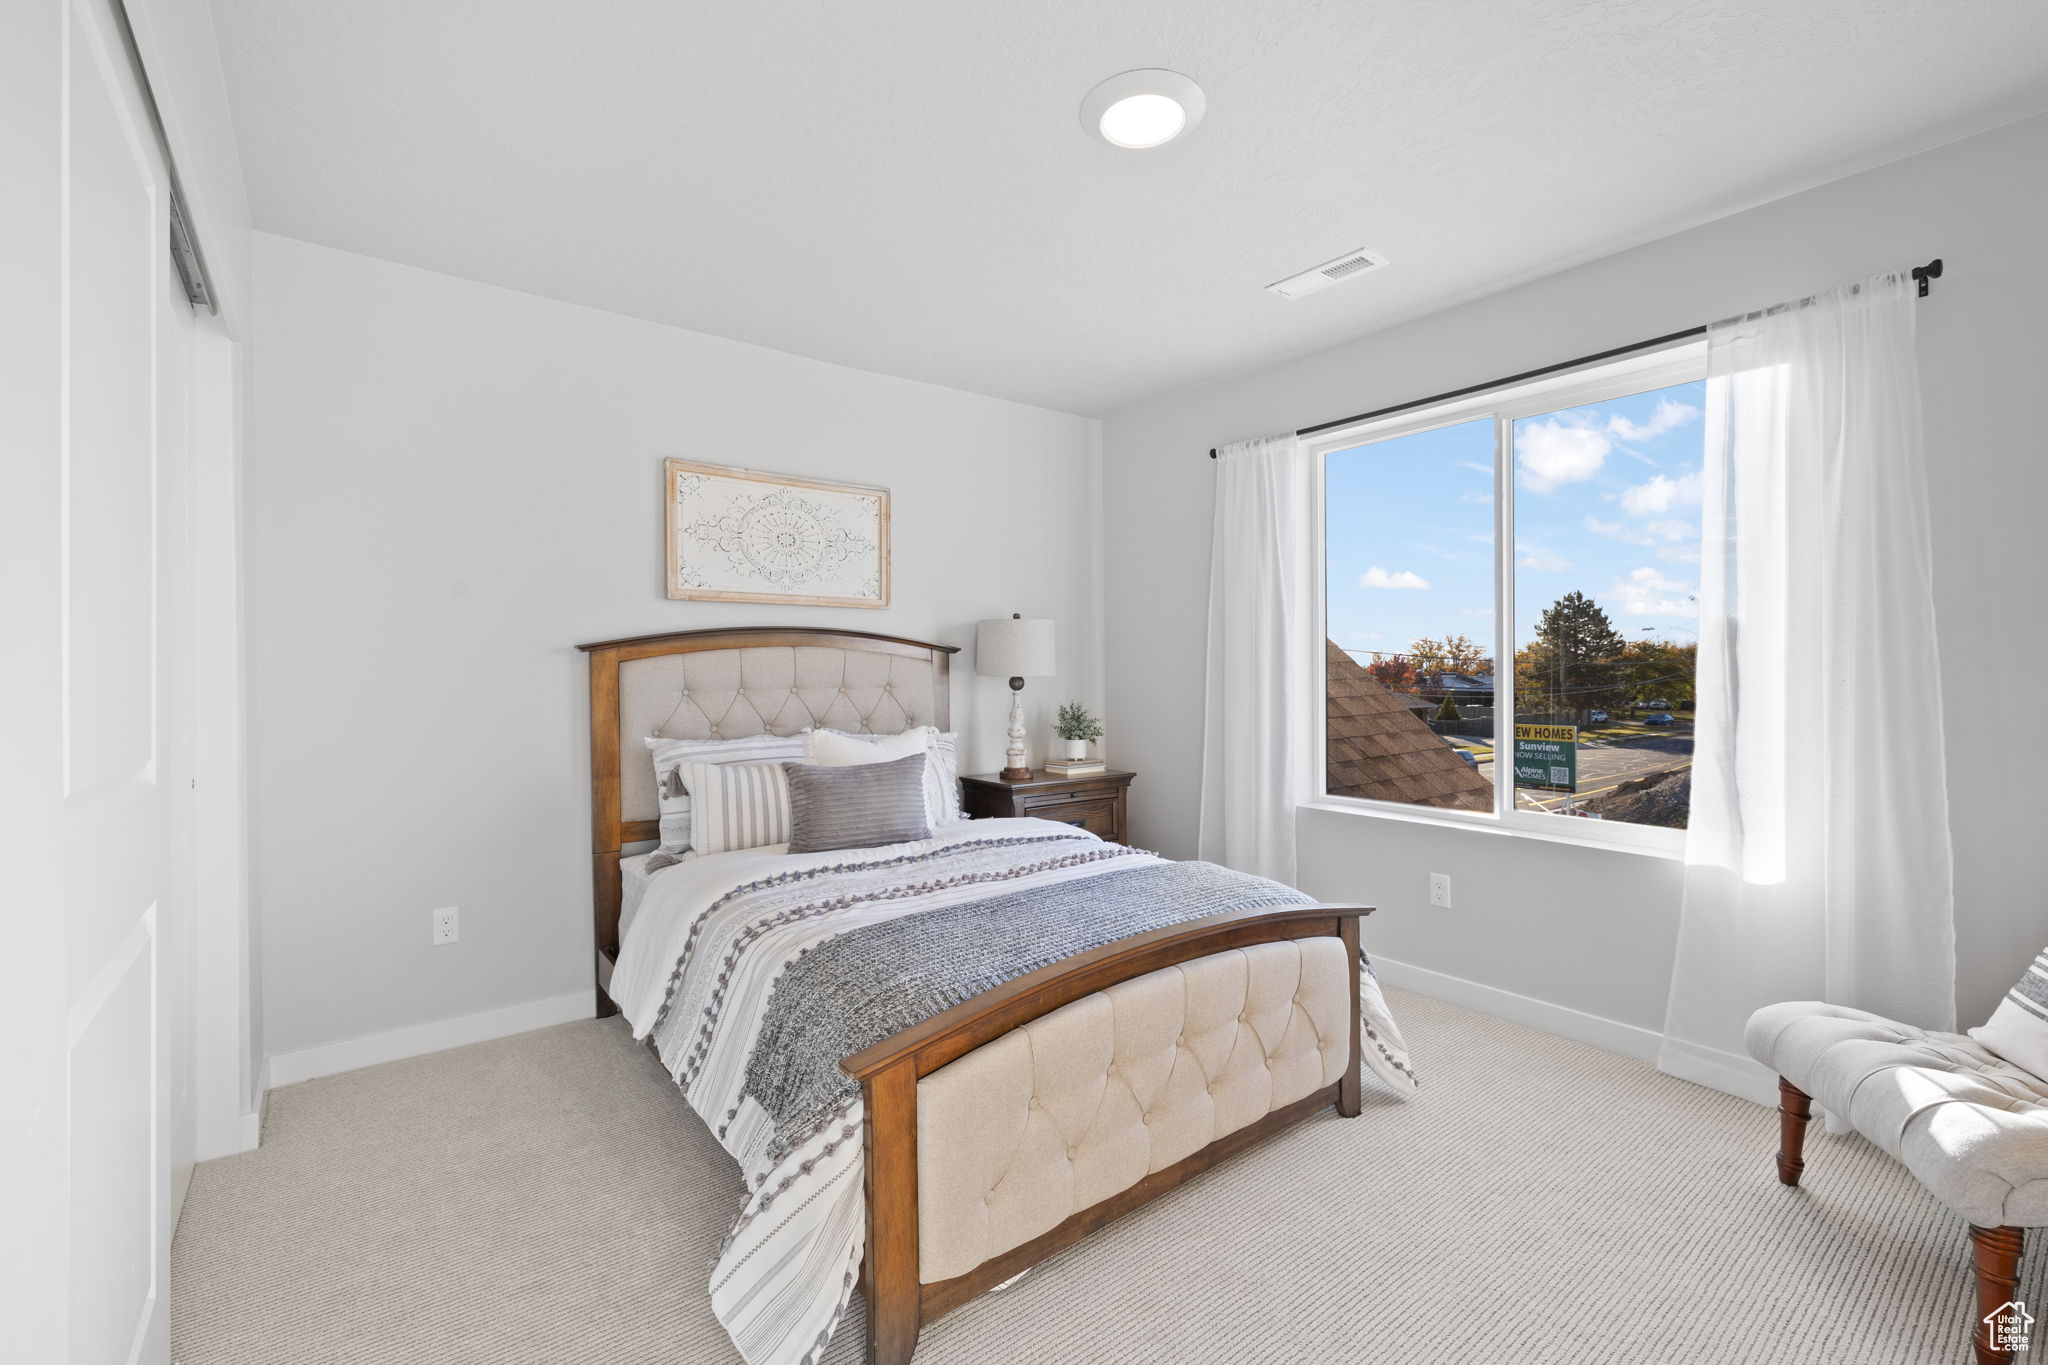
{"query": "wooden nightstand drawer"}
(1065, 798)
(1094, 802)
(1098, 817)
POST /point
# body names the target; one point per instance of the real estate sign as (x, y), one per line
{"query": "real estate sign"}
(1547, 757)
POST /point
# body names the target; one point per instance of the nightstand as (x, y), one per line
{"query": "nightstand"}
(1094, 802)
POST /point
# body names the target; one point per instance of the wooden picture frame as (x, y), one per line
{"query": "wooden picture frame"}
(742, 535)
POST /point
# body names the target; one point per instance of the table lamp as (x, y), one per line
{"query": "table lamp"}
(1017, 648)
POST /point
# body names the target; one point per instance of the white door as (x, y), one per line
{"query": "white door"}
(125, 723)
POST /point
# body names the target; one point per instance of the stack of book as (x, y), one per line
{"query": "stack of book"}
(1075, 767)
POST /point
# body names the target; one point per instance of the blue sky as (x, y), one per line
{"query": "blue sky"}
(1606, 502)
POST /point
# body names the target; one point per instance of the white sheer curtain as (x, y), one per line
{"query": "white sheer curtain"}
(1258, 681)
(1817, 862)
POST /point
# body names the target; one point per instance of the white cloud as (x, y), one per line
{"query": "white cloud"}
(1486, 497)
(1661, 494)
(1672, 529)
(1376, 577)
(1616, 531)
(1557, 451)
(1571, 447)
(1680, 554)
(1540, 559)
(1365, 637)
(1646, 592)
(1475, 611)
(1670, 414)
(1649, 578)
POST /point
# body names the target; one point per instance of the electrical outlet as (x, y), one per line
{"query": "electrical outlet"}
(447, 925)
(1440, 889)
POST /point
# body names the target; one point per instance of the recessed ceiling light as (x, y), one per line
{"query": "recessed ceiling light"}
(1141, 109)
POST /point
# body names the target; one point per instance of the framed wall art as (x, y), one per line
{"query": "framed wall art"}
(739, 535)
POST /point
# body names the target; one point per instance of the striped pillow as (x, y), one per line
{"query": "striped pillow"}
(736, 805)
(858, 806)
(674, 796)
(2018, 1028)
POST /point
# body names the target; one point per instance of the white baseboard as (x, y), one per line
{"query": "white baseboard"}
(181, 1183)
(288, 1068)
(1629, 1040)
(1717, 1070)
(252, 1124)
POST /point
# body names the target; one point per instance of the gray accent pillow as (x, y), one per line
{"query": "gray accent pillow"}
(856, 807)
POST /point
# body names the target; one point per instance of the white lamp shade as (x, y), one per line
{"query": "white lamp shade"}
(1014, 647)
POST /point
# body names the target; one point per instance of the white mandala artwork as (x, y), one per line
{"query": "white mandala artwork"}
(738, 535)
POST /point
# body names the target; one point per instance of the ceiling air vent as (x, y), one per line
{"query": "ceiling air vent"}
(1350, 264)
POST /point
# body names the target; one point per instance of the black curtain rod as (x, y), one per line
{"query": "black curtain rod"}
(1921, 275)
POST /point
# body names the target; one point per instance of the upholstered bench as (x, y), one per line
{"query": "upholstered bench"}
(1969, 1124)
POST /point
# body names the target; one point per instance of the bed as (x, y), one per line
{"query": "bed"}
(938, 1062)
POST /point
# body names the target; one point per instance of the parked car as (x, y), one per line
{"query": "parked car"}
(1658, 706)
(1595, 717)
(1658, 718)
(1470, 761)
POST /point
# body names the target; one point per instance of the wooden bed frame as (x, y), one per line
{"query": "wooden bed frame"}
(898, 1303)
(610, 831)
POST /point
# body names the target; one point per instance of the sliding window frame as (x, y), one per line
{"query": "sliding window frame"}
(1682, 363)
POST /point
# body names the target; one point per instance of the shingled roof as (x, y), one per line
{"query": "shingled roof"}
(1381, 750)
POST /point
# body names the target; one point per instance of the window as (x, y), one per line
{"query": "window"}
(1555, 526)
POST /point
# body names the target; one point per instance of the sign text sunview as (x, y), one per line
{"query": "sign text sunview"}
(1547, 757)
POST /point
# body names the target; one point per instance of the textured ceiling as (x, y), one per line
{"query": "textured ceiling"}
(904, 185)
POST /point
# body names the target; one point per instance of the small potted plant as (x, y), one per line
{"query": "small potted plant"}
(1078, 728)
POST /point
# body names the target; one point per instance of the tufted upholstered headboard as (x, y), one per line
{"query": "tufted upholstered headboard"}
(727, 684)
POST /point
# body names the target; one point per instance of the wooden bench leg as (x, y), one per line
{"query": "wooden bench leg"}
(1795, 1108)
(1996, 1253)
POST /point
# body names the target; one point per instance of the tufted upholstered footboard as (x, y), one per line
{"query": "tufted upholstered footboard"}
(1013, 1124)
(1083, 1103)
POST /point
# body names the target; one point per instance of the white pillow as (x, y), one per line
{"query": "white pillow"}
(946, 750)
(838, 749)
(2018, 1028)
(674, 795)
(736, 805)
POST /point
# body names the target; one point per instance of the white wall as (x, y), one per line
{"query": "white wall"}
(450, 486)
(1592, 930)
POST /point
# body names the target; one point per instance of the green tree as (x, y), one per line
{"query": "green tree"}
(1575, 663)
(1661, 670)
(1447, 710)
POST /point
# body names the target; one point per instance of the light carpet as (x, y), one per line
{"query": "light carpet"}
(550, 1200)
